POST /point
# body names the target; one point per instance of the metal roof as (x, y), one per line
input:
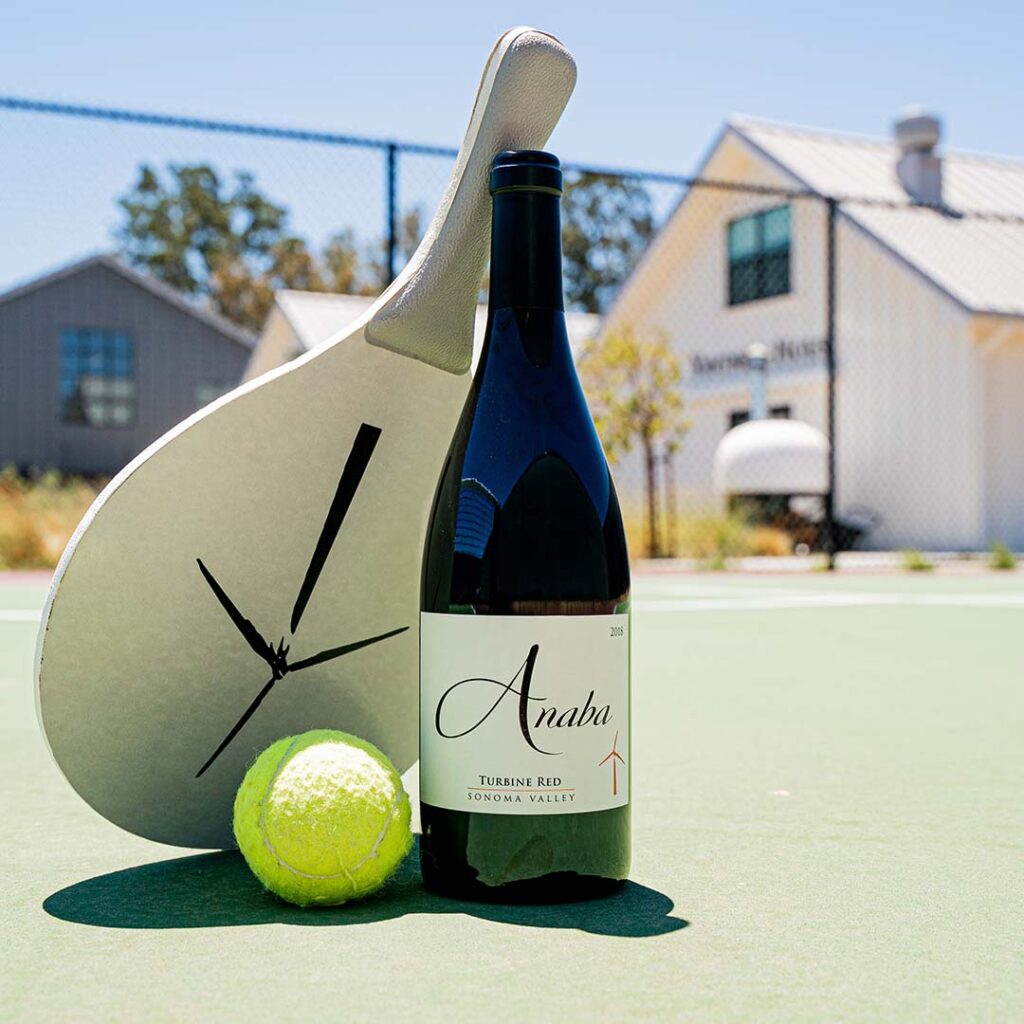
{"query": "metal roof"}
(150, 284)
(974, 251)
(317, 316)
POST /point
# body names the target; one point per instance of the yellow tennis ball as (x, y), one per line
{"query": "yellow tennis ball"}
(322, 818)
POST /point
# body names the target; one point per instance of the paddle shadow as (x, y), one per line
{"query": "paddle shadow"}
(217, 890)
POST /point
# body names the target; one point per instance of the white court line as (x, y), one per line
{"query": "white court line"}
(830, 600)
(761, 603)
(20, 614)
(667, 587)
(750, 601)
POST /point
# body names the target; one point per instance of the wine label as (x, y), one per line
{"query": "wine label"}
(524, 714)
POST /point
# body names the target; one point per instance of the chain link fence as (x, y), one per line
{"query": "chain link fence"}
(775, 370)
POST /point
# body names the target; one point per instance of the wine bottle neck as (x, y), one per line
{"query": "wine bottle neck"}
(526, 250)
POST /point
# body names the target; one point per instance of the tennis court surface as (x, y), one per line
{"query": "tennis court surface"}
(828, 826)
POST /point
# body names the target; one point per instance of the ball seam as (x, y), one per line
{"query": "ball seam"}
(345, 871)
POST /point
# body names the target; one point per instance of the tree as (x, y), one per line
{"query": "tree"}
(341, 265)
(228, 243)
(407, 237)
(410, 232)
(238, 295)
(245, 295)
(632, 382)
(606, 225)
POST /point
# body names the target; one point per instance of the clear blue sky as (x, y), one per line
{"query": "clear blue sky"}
(656, 80)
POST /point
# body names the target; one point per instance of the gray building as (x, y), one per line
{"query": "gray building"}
(97, 361)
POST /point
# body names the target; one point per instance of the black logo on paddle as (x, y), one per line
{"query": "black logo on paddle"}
(277, 657)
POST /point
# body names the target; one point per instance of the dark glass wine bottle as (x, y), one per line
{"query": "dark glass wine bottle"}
(524, 649)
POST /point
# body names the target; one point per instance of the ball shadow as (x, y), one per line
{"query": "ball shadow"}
(216, 890)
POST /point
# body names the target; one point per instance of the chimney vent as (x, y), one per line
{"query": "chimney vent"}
(919, 167)
(757, 360)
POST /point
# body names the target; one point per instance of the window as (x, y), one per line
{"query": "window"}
(776, 412)
(207, 391)
(97, 377)
(759, 255)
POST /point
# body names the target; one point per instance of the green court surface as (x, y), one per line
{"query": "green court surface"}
(829, 826)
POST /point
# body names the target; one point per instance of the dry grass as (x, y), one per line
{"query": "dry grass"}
(37, 517)
(710, 538)
(767, 540)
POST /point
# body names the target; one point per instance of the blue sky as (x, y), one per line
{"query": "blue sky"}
(656, 80)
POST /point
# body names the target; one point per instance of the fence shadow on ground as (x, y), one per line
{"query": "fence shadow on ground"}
(216, 890)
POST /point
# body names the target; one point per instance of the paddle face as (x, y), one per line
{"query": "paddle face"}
(256, 572)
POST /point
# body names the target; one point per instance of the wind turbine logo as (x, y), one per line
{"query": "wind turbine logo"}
(616, 759)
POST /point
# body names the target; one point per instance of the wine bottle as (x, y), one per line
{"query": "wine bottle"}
(524, 642)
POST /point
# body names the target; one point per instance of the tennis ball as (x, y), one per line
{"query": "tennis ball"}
(322, 818)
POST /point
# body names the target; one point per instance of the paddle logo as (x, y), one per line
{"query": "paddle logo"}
(277, 657)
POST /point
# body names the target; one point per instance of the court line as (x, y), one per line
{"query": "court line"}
(750, 601)
(829, 600)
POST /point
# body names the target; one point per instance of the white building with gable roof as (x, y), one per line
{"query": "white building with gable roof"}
(929, 329)
(299, 321)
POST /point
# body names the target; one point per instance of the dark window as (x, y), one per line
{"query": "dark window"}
(776, 412)
(759, 255)
(208, 391)
(97, 377)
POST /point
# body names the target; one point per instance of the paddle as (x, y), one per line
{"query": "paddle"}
(302, 498)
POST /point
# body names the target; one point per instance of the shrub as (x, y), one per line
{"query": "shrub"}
(769, 541)
(1002, 557)
(714, 564)
(710, 538)
(713, 537)
(21, 544)
(914, 561)
(10, 481)
(38, 517)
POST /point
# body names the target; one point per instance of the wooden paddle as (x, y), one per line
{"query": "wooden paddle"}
(255, 572)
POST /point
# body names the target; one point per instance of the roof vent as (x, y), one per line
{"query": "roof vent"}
(919, 167)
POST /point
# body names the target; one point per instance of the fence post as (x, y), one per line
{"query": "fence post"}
(832, 208)
(392, 203)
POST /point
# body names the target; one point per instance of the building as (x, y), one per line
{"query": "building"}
(97, 361)
(299, 321)
(929, 319)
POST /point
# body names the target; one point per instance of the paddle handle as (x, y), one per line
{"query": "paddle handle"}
(429, 311)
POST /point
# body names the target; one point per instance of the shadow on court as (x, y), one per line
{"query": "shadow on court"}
(216, 890)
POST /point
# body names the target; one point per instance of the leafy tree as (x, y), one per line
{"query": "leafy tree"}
(293, 264)
(632, 382)
(410, 231)
(224, 241)
(188, 229)
(341, 265)
(607, 223)
(239, 296)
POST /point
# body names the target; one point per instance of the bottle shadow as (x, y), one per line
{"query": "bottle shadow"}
(217, 890)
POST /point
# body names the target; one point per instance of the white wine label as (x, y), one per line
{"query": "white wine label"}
(524, 714)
